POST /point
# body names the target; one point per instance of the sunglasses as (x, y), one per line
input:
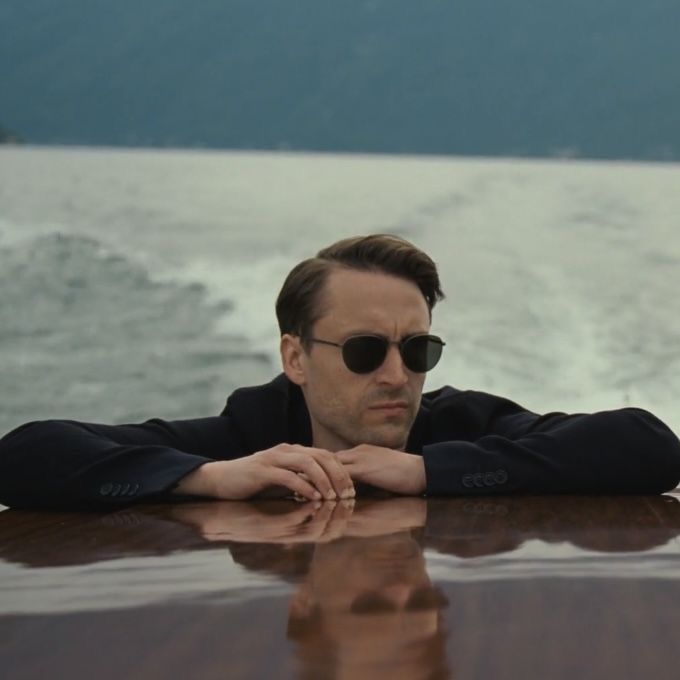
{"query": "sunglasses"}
(422, 599)
(366, 353)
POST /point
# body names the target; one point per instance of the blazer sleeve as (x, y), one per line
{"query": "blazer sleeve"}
(72, 465)
(507, 449)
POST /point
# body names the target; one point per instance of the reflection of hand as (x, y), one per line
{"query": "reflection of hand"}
(376, 518)
(289, 522)
(248, 523)
(309, 472)
(388, 469)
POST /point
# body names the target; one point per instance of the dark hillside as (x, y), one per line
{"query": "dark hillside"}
(529, 77)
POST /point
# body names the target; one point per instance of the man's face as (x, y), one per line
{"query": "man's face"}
(375, 606)
(347, 408)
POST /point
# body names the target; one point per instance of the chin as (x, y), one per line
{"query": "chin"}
(388, 437)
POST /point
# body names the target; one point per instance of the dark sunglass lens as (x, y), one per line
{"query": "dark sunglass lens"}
(364, 353)
(425, 599)
(372, 603)
(421, 353)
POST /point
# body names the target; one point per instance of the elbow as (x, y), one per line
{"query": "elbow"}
(19, 450)
(669, 463)
(659, 448)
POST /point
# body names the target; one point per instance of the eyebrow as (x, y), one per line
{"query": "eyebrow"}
(354, 333)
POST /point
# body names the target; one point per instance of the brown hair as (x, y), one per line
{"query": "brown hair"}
(297, 308)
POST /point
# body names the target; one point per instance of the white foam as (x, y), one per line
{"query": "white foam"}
(131, 582)
(538, 559)
(562, 276)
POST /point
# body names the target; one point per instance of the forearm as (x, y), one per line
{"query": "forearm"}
(63, 464)
(627, 451)
(203, 481)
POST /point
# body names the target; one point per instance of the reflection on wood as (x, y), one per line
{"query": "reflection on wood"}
(554, 587)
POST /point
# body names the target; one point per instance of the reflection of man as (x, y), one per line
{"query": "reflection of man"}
(278, 537)
(355, 347)
(470, 528)
(365, 606)
(368, 609)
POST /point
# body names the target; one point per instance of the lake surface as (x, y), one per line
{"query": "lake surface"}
(141, 283)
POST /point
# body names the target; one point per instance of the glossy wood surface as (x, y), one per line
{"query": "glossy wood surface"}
(498, 588)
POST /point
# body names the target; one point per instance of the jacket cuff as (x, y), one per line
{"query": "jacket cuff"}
(458, 469)
(153, 477)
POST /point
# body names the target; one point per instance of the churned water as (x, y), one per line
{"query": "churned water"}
(136, 284)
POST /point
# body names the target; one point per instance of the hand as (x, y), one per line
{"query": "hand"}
(386, 516)
(279, 521)
(256, 522)
(311, 473)
(389, 469)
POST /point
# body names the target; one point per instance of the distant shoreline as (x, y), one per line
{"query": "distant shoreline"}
(312, 153)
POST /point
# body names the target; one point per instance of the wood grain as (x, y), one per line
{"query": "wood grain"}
(498, 588)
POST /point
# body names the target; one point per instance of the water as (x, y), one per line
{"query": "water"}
(141, 283)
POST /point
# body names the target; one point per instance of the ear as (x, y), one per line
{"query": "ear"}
(293, 358)
(304, 617)
(301, 604)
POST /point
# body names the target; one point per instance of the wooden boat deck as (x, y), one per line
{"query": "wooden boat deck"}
(498, 588)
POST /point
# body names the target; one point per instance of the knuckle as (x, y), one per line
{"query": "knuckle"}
(312, 468)
(286, 477)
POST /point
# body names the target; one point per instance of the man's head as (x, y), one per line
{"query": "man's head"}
(367, 603)
(377, 285)
(300, 302)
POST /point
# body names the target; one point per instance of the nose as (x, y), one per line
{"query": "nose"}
(398, 594)
(392, 371)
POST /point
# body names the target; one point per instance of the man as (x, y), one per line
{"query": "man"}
(347, 411)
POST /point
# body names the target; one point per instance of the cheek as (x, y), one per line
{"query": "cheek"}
(341, 392)
(328, 384)
(417, 383)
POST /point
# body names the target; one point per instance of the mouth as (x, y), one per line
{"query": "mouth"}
(390, 407)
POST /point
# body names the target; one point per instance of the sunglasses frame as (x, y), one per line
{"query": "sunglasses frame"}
(425, 598)
(401, 344)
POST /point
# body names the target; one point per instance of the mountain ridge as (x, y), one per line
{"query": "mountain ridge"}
(467, 78)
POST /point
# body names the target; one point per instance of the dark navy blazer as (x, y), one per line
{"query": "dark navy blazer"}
(472, 443)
